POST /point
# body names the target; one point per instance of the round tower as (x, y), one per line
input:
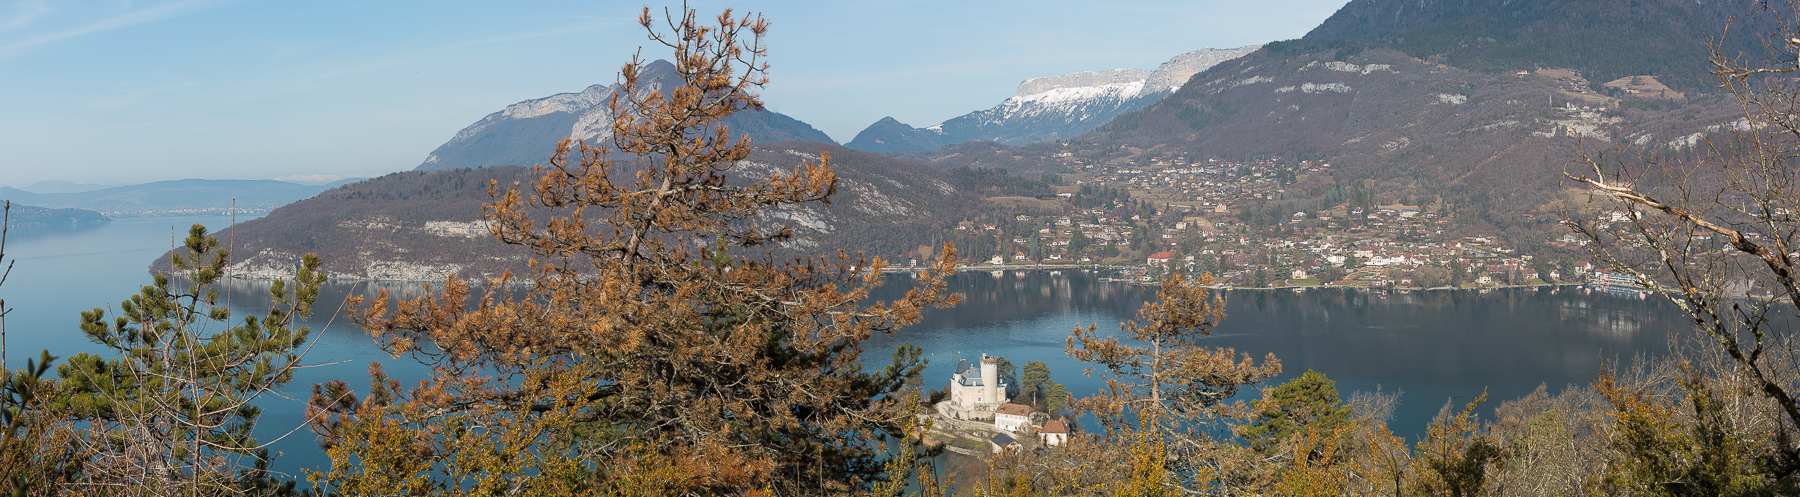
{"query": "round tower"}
(990, 379)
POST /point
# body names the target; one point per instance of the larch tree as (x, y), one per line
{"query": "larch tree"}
(1172, 387)
(650, 349)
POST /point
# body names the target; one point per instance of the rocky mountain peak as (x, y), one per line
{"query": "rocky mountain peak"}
(524, 133)
(1050, 108)
(1081, 80)
(1176, 72)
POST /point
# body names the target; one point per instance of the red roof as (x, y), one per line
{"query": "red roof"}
(1161, 255)
(1013, 409)
(1055, 426)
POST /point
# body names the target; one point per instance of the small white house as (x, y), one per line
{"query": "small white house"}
(1012, 417)
(1055, 432)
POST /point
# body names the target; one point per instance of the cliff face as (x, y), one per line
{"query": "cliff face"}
(525, 133)
(1050, 108)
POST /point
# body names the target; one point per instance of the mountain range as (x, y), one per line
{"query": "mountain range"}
(525, 133)
(1050, 108)
(1477, 104)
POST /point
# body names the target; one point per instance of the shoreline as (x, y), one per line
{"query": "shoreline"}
(1121, 268)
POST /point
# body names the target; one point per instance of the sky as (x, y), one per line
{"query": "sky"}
(132, 91)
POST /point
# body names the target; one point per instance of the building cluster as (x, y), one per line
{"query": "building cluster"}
(977, 392)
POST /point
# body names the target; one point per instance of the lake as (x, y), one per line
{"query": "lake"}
(1430, 345)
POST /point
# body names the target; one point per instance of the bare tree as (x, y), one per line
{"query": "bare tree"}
(1713, 228)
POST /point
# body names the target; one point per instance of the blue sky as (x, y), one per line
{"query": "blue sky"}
(128, 91)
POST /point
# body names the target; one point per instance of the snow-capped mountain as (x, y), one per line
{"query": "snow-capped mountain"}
(526, 133)
(1050, 108)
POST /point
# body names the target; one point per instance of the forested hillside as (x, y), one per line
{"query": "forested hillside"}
(1604, 40)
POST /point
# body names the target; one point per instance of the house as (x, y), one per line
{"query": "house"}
(1012, 417)
(1159, 259)
(1001, 442)
(1055, 432)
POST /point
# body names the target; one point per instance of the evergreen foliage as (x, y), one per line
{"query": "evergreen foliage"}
(172, 411)
(1308, 401)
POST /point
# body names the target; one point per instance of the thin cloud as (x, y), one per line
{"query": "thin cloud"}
(24, 14)
(128, 19)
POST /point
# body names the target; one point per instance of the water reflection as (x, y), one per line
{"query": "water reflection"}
(1433, 345)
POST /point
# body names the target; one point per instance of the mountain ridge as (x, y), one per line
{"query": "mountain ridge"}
(1049, 108)
(427, 225)
(525, 133)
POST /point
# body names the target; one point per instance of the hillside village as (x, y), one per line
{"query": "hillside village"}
(1228, 218)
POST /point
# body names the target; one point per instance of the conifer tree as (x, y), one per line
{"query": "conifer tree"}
(170, 413)
(1173, 388)
(652, 336)
(38, 451)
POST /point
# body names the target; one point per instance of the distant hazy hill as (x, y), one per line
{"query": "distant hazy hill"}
(177, 197)
(59, 186)
(1603, 39)
(426, 225)
(525, 133)
(25, 216)
(1049, 108)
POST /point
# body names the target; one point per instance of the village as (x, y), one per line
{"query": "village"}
(1236, 221)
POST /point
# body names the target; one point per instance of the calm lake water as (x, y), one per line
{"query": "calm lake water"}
(1430, 345)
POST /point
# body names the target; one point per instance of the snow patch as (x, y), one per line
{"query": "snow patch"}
(1446, 98)
(1285, 89)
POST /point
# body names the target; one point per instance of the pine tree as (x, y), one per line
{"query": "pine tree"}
(1172, 390)
(651, 336)
(172, 413)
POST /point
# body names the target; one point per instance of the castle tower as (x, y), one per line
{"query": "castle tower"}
(990, 379)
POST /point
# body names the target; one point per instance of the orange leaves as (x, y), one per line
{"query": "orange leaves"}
(1174, 388)
(646, 331)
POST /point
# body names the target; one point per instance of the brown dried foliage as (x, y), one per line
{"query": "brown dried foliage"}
(647, 329)
(1174, 387)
